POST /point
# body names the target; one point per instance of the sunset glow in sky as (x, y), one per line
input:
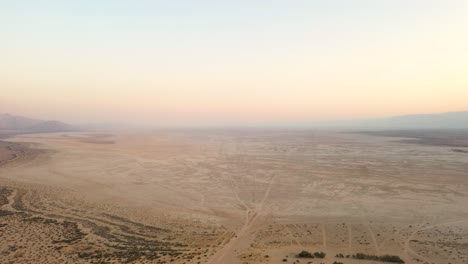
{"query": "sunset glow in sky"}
(208, 62)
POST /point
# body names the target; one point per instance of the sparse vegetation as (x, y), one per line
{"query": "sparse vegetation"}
(307, 254)
(385, 258)
(320, 254)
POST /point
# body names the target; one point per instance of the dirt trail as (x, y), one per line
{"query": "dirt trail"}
(252, 216)
(291, 234)
(350, 237)
(407, 248)
(324, 236)
(374, 239)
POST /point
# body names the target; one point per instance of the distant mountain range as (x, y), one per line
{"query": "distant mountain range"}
(21, 124)
(450, 120)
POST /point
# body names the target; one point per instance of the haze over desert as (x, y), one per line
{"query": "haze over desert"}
(234, 132)
(230, 197)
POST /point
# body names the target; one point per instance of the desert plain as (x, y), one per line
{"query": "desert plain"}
(230, 196)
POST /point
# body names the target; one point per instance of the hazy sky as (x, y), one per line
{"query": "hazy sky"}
(203, 62)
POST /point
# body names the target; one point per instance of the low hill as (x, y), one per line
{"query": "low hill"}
(450, 120)
(21, 124)
(12, 122)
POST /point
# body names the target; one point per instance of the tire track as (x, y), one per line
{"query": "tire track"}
(251, 216)
(350, 237)
(324, 236)
(374, 239)
(421, 227)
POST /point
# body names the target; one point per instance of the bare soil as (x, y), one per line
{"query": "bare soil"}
(229, 197)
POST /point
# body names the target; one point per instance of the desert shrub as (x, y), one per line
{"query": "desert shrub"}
(385, 258)
(390, 258)
(319, 254)
(305, 254)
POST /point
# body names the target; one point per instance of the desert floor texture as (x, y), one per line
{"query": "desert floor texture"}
(230, 197)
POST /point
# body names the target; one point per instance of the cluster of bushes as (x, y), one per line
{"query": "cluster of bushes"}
(384, 258)
(307, 254)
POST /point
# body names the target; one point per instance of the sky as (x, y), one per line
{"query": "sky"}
(232, 62)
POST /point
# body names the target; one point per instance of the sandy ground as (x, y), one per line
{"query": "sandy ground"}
(229, 197)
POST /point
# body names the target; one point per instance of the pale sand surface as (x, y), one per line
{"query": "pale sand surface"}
(229, 197)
